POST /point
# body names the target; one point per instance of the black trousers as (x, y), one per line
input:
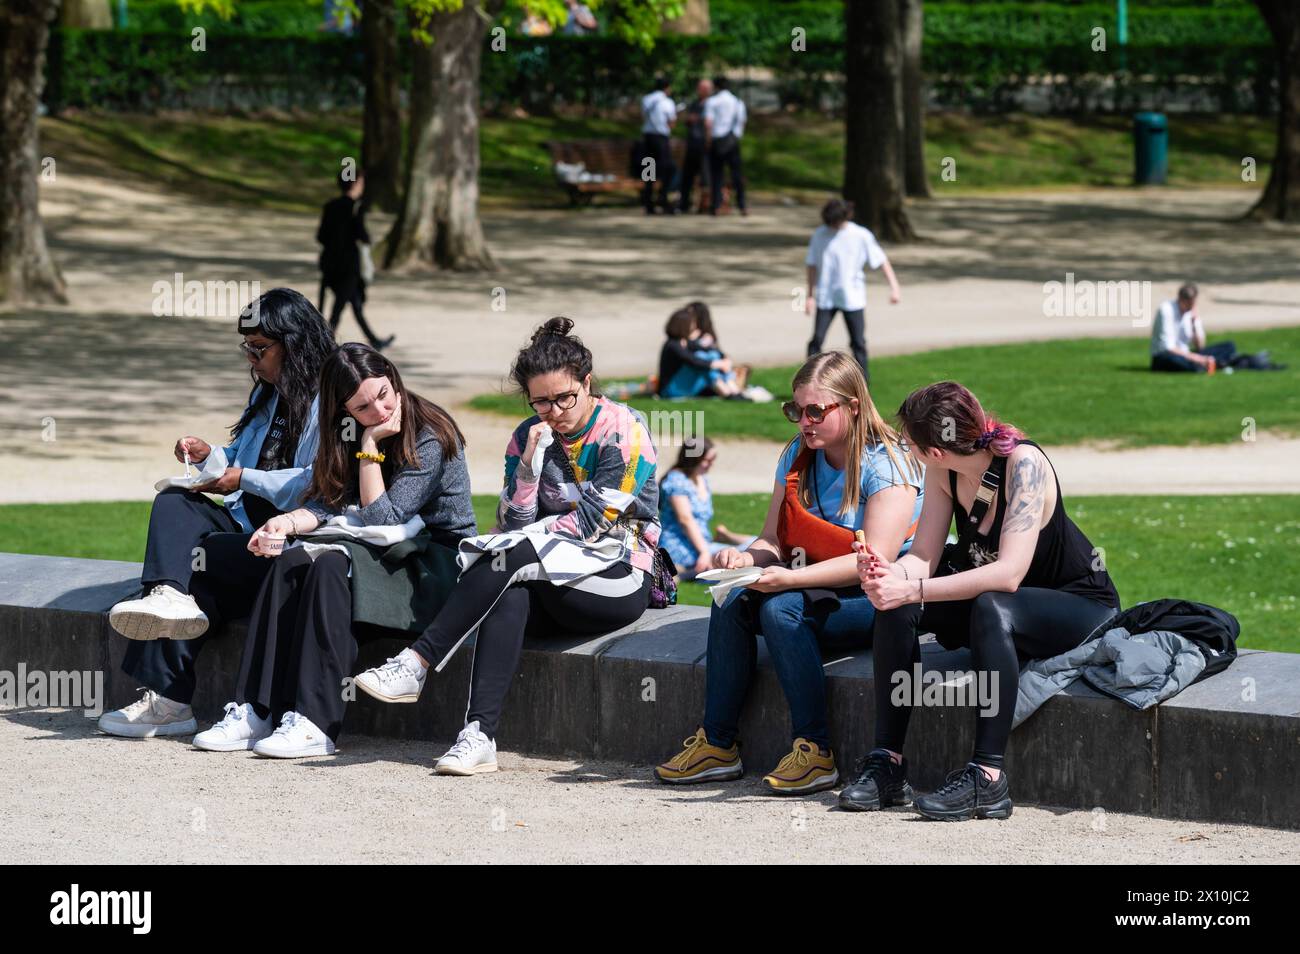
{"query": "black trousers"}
(857, 332)
(694, 167)
(506, 610)
(1001, 629)
(729, 160)
(349, 294)
(659, 148)
(302, 643)
(180, 524)
(1223, 352)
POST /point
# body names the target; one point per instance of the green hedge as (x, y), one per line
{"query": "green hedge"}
(145, 71)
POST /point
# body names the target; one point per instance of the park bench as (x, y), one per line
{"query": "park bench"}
(585, 168)
(1226, 749)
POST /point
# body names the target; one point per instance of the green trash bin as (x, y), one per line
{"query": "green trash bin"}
(1150, 148)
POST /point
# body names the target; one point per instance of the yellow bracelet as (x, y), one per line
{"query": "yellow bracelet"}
(365, 455)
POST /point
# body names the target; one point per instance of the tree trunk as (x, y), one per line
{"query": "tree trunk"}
(914, 173)
(381, 141)
(873, 122)
(27, 273)
(1281, 199)
(438, 223)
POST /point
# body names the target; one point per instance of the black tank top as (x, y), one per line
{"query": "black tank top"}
(1064, 559)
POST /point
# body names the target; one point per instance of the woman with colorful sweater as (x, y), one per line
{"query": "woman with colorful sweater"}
(578, 526)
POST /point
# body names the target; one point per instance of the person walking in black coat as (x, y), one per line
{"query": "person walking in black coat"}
(342, 227)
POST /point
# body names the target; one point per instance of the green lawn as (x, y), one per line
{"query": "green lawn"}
(1238, 552)
(289, 161)
(1086, 389)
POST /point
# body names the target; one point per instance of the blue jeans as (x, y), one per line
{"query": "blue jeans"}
(795, 633)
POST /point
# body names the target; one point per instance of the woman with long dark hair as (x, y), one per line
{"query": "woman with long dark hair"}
(1022, 582)
(197, 570)
(577, 549)
(686, 510)
(391, 481)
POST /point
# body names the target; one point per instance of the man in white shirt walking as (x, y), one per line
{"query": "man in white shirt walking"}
(658, 113)
(838, 253)
(724, 125)
(1178, 338)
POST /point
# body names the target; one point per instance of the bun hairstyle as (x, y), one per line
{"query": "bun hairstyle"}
(947, 416)
(553, 349)
(836, 212)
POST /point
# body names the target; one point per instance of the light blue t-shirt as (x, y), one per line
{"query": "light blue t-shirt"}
(878, 473)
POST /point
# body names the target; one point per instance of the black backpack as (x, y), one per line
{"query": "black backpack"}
(1214, 631)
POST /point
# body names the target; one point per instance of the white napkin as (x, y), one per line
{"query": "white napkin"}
(728, 580)
(544, 440)
(212, 468)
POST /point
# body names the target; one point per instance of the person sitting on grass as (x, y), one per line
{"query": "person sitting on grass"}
(686, 508)
(1178, 342)
(1022, 582)
(692, 371)
(576, 552)
(399, 460)
(846, 471)
(197, 569)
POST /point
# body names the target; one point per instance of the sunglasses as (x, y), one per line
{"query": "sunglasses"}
(253, 351)
(816, 412)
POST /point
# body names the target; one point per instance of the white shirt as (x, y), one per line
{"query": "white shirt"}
(727, 114)
(657, 111)
(1173, 330)
(839, 255)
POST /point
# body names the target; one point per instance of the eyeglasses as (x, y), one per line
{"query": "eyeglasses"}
(254, 352)
(816, 412)
(562, 401)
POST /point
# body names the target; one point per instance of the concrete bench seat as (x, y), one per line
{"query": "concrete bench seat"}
(1225, 750)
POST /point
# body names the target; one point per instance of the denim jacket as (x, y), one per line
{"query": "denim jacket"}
(283, 488)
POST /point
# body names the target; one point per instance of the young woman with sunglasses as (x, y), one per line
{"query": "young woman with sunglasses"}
(197, 570)
(845, 471)
(579, 530)
(1022, 582)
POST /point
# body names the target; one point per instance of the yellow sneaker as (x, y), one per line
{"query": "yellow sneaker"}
(701, 762)
(804, 771)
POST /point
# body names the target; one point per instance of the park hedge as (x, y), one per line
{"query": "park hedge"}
(978, 57)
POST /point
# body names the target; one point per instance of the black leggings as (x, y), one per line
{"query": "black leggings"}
(498, 596)
(350, 296)
(1001, 630)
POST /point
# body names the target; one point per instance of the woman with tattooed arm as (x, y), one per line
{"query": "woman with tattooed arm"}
(1022, 582)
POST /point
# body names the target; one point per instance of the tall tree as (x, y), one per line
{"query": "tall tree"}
(873, 121)
(437, 221)
(1281, 198)
(27, 272)
(913, 80)
(381, 139)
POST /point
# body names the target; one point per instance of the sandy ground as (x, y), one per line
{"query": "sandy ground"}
(96, 392)
(162, 801)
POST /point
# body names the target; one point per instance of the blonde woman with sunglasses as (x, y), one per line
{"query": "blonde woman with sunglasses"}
(844, 471)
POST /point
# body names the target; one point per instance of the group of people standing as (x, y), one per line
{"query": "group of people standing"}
(346, 517)
(715, 125)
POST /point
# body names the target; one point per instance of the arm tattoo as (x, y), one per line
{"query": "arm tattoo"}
(1026, 504)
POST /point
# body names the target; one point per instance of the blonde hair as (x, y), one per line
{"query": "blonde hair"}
(837, 372)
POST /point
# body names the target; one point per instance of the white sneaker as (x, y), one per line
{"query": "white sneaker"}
(473, 753)
(148, 716)
(400, 679)
(166, 613)
(239, 729)
(295, 737)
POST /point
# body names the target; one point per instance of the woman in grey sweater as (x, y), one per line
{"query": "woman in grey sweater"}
(392, 464)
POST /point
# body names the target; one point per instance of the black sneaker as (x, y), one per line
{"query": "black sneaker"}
(967, 793)
(879, 782)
